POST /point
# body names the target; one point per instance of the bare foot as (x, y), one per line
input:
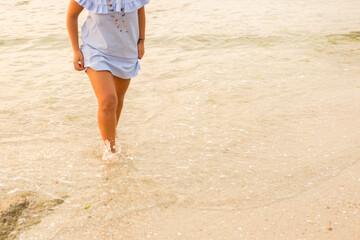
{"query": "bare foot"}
(109, 154)
(110, 157)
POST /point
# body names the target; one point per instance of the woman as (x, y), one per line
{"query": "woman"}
(113, 38)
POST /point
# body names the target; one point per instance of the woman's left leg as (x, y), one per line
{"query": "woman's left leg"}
(121, 86)
(104, 88)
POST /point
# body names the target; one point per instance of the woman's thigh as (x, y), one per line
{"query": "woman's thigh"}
(121, 85)
(102, 83)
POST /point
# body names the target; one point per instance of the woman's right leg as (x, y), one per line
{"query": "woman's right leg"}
(105, 91)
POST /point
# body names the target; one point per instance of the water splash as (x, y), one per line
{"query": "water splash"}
(108, 155)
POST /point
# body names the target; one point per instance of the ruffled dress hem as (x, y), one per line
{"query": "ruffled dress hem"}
(101, 6)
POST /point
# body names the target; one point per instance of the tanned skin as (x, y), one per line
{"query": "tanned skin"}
(109, 89)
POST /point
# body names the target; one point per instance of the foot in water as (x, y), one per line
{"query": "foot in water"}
(108, 155)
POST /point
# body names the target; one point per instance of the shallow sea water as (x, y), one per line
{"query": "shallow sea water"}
(237, 105)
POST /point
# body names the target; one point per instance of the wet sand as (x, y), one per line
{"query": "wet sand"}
(21, 211)
(243, 124)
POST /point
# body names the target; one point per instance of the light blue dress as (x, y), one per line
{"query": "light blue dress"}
(110, 35)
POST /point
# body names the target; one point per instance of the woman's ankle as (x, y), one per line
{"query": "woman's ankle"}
(109, 146)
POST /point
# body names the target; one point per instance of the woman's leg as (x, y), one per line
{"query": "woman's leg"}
(105, 91)
(121, 86)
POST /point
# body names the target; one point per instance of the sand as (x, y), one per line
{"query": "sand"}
(243, 124)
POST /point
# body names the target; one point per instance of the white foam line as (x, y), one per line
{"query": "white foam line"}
(16, 178)
(12, 191)
(64, 181)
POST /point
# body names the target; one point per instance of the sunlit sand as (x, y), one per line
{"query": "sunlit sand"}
(243, 124)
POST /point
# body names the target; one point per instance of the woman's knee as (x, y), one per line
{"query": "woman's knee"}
(108, 103)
